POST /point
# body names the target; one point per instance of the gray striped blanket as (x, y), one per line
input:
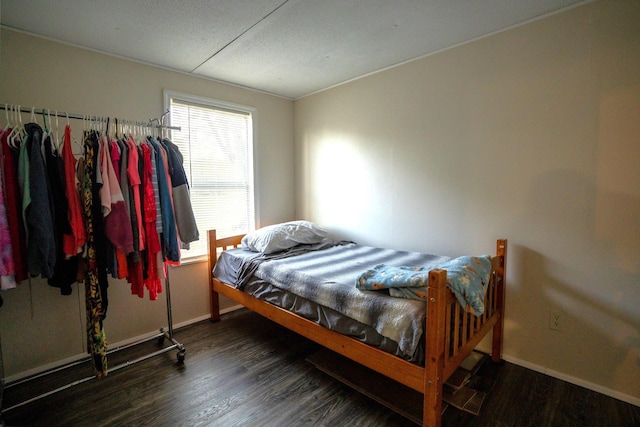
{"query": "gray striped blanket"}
(327, 277)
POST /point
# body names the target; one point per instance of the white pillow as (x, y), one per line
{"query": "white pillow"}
(278, 237)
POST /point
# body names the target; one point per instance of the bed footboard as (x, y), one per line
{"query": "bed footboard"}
(453, 333)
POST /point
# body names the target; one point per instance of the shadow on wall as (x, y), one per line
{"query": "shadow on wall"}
(570, 265)
(618, 174)
(600, 338)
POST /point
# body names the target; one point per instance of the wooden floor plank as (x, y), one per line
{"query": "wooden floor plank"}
(247, 371)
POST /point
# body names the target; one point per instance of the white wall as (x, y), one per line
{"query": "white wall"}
(39, 326)
(532, 134)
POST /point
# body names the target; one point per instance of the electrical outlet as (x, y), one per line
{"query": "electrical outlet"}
(556, 320)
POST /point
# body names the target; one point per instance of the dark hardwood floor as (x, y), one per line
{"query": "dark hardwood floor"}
(247, 371)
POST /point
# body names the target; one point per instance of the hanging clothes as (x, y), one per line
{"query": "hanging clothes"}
(74, 240)
(121, 170)
(133, 174)
(7, 268)
(65, 271)
(95, 293)
(13, 209)
(171, 251)
(134, 261)
(185, 219)
(57, 191)
(152, 281)
(41, 246)
(156, 191)
(117, 224)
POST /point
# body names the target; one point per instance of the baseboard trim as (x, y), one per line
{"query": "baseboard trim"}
(230, 309)
(570, 379)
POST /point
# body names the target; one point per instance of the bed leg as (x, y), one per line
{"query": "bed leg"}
(212, 258)
(434, 361)
(498, 329)
(215, 306)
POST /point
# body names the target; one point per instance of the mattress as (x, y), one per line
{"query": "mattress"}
(318, 283)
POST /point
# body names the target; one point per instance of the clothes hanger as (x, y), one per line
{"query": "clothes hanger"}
(164, 129)
(132, 131)
(49, 126)
(46, 131)
(45, 127)
(15, 137)
(6, 115)
(75, 141)
(56, 141)
(16, 116)
(153, 129)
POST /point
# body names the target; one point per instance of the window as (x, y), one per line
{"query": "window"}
(216, 141)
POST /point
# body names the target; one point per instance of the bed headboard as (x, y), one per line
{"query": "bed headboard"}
(215, 246)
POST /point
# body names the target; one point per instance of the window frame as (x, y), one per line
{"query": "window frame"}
(168, 95)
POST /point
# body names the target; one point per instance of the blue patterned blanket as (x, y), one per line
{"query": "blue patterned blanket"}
(467, 277)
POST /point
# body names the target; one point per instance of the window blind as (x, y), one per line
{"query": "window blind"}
(216, 141)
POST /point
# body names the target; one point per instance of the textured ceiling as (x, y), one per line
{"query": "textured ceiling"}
(289, 48)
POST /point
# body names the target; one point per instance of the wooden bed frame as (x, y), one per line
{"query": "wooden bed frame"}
(451, 332)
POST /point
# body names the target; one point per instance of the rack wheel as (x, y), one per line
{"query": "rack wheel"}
(181, 356)
(161, 340)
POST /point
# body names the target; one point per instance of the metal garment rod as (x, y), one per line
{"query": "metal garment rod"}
(64, 114)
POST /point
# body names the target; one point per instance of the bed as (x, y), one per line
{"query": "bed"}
(448, 335)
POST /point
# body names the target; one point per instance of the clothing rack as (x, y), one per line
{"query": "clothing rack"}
(64, 114)
(161, 336)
